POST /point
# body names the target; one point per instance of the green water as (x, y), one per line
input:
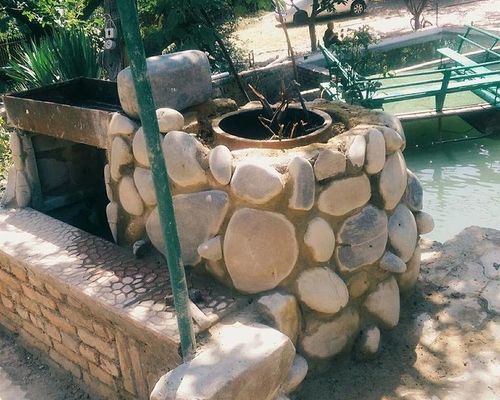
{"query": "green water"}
(461, 183)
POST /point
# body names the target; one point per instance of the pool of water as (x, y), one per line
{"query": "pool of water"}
(461, 183)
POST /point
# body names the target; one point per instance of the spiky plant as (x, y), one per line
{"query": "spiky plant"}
(61, 56)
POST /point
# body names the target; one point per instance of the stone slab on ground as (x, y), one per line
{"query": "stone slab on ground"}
(447, 343)
(242, 362)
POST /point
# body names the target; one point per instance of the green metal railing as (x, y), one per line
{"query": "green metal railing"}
(147, 111)
(468, 76)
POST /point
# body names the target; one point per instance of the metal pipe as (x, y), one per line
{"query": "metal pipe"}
(147, 111)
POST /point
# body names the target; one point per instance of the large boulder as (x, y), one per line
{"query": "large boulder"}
(199, 217)
(362, 239)
(253, 264)
(178, 80)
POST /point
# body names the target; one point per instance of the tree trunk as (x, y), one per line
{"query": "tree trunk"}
(312, 32)
(113, 60)
(417, 17)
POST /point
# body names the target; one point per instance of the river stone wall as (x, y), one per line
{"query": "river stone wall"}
(327, 232)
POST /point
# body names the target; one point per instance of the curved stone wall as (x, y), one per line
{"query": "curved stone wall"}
(329, 231)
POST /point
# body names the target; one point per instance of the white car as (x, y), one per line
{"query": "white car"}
(298, 11)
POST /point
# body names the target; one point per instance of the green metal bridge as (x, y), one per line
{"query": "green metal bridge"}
(456, 73)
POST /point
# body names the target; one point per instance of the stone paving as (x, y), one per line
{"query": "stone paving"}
(100, 271)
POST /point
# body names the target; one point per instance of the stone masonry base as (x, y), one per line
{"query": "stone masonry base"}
(86, 305)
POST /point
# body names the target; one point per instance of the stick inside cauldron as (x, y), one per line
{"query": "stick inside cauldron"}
(275, 122)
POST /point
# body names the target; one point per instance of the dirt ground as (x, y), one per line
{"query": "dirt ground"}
(25, 377)
(263, 36)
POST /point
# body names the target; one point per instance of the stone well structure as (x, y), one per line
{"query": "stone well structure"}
(323, 237)
(328, 232)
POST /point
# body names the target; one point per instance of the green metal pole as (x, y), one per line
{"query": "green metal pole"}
(147, 111)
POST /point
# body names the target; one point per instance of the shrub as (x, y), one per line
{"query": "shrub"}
(62, 56)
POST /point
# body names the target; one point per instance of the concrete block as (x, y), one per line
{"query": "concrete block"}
(243, 362)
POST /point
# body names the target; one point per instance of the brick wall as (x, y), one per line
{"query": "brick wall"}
(102, 358)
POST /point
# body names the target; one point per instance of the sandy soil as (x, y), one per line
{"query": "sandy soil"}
(263, 36)
(25, 377)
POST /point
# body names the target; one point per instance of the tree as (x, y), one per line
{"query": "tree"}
(36, 18)
(416, 7)
(174, 25)
(318, 7)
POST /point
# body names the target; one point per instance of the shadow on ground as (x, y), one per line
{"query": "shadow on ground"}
(447, 344)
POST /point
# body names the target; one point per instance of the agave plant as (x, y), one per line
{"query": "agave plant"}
(62, 56)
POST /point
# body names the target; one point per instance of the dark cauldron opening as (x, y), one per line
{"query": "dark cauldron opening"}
(242, 129)
(245, 123)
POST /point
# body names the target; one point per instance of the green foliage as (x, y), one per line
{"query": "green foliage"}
(5, 154)
(174, 25)
(243, 7)
(354, 52)
(62, 56)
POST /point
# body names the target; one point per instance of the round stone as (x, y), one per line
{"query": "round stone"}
(211, 249)
(296, 374)
(135, 230)
(322, 290)
(181, 150)
(392, 263)
(143, 180)
(112, 216)
(393, 141)
(199, 217)
(121, 125)
(383, 303)
(345, 195)
(358, 284)
(282, 311)
(393, 180)
(407, 280)
(414, 194)
(362, 239)
(169, 120)
(256, 183)
(220, 161)
(326, 339)
(375, 152)
(107, 182)
(330, 163)
(369, 342)
(139, 148)
(303, 184)
(320, 239)
(402, 232)
(253, 264)
(425, 222)
(120, 155)
(129, 196)
(357, 151)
